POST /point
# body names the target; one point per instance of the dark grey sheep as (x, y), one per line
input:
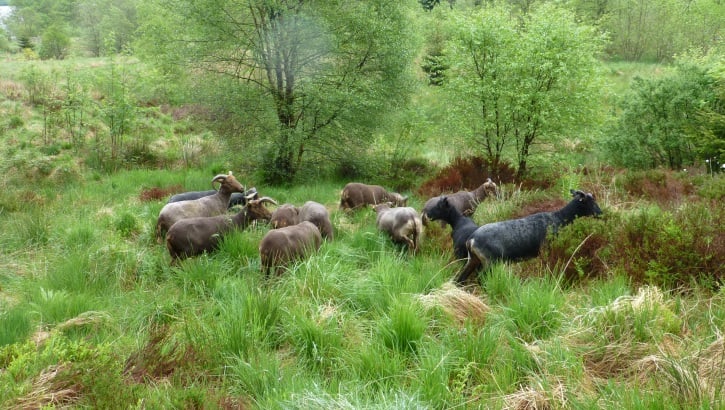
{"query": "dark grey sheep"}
(461, 226)
(194, 236)
(521, 238)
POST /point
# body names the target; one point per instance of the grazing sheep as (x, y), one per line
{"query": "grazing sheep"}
(236, 199)
(402, 224)
(285, 215)
(465, 201)
(206, 206)
(194, 236)
(312, 211)
(521, 238)
(318, 215)
(285, 245)
(356, 195)
(461, 226)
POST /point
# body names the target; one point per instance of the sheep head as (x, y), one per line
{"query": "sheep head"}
(227, 183)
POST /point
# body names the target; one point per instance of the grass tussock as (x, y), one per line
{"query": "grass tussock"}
(461, 305)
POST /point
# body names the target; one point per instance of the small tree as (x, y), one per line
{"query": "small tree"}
(670, 121)
(521, 83)
(54, 43)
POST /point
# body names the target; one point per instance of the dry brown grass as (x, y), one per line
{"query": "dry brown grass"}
(459, 304)
(536, 398)
(54, 387)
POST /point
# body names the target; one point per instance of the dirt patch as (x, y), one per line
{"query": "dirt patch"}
(156, 193)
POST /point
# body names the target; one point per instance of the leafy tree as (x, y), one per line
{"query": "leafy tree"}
(671, 121)
(326, 71)
(54, 43)
(654, 30)
(520, 84)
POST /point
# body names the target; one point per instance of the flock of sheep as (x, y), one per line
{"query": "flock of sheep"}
(195, 222)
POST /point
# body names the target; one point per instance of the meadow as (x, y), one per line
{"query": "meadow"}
(623, 311)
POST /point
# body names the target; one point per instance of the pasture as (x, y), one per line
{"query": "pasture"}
(623, 311)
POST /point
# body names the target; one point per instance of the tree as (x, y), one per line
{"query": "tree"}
(671, 121)
(327, 70)
(519, 84)
(54, 43)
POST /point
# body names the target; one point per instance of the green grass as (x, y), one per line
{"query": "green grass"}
(93, 315)
(344, 328)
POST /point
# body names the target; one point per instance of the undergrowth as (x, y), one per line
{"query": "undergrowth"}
(622, 310)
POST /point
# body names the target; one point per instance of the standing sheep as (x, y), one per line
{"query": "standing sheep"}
(236, 198)
(206, 206)
(194, 236)
(521, 238)
(282, 246)
(402, 224)
(465, 201)
(461, 226)
(356, 195)
(312, 211)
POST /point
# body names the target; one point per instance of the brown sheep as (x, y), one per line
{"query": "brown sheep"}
(282, 246)
(212, 205)
(465, 202)
(356, 195)
(402, 224)
(312, 211)
(194, 236)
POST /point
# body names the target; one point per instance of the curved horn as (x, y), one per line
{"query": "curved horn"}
(267, 199)
(219, 178)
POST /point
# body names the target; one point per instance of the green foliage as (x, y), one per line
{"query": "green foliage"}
(347, 68)
(660, 123)
(54, 43)
(531, 82)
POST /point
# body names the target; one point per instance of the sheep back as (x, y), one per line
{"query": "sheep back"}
(356, 195)
(284, 245)
(402, 224)
(317, 214)
(285, 215)
(194, 236)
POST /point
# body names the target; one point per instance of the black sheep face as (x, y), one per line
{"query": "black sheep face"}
(588, 205)
(440, 210)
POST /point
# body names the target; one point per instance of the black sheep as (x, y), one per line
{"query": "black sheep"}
(521, 238)
(461, 226)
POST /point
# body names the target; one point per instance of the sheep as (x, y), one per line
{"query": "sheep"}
(236, 199)
(518, 239)
(318, 215)
(285, 215)
(461, 226)
(465, 201)
(356, 195)
(206, 206)
(194, 236)
(312, 211)
(402, 224)
(285, 245)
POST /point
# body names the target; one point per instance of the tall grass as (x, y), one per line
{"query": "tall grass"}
(359, 324)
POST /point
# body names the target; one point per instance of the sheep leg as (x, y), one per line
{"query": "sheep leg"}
(470, 267)
(473, 263)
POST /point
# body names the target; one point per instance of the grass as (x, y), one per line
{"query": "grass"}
(624, 311)
(361, 323)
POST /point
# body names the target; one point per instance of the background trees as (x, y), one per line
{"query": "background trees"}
(317, 76)
(522, 83)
